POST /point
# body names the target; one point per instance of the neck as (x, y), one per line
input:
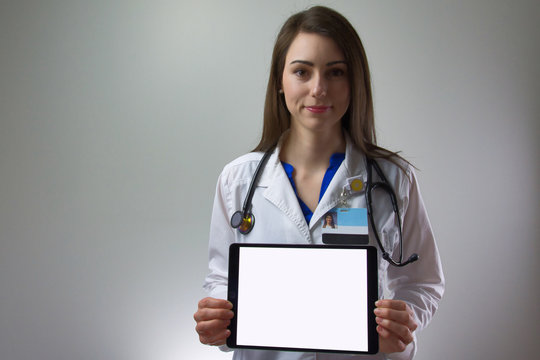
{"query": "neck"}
(311, 150)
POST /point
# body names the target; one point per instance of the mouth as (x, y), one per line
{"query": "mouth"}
(317, 109)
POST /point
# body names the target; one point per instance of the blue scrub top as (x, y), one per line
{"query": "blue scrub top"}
(335, 161)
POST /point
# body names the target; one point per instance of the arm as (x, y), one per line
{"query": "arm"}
(419, 285)
(214, 313)
(222, 235)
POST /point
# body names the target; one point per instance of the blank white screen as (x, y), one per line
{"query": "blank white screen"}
(314, 298)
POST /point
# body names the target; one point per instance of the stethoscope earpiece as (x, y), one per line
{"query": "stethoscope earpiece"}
(411, 259)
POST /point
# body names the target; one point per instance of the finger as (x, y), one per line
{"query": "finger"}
(218, 339)
(388, 342)
(413, 325)
(211, 327)
(214, 303)
(400, 316)
(212, 332)
(391, 304)
(211, 314)
(399, 330)
(399, 305)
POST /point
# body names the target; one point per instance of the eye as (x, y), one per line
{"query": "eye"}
(301, 73)
(337, 72)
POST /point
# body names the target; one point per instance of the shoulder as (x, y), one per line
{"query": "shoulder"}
(396, 167)
(399, 173)
(241, 169)
(244, 160)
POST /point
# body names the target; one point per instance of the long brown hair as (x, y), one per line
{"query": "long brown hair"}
(358, 121)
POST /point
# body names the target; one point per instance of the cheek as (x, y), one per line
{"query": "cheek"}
(340, 90)
(346, 90)
(292, 93)
(289, 87)
(345, 95)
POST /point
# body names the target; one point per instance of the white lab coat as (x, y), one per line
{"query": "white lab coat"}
(279, 219)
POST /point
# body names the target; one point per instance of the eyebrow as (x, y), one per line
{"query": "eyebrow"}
(309, 63)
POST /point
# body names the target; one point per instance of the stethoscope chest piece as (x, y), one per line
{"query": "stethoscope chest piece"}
(243, 220)
(244, 224)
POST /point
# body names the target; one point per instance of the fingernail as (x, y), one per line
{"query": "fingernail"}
(378, 302)
(378, 320)
(377, 311)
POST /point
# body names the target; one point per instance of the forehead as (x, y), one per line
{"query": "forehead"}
(313, 47)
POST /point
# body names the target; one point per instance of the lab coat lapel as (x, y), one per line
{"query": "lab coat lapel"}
(330, 198)
(279, 192)
(353, 165)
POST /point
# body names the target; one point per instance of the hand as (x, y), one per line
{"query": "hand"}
(212, 317)
(396, 324)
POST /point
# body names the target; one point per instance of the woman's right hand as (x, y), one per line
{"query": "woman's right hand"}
(212, 317)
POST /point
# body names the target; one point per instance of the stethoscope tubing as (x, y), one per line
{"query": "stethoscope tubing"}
(244, 220)
(247, 202)
(384, 185)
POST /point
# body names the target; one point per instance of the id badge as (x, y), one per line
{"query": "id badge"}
(345, 226)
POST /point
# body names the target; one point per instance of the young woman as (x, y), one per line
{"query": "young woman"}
(329, 222)
(319, 128)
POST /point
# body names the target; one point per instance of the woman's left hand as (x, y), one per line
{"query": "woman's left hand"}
(396, 324)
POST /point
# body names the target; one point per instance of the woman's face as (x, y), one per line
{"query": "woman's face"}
(329, 219)
(315, 83)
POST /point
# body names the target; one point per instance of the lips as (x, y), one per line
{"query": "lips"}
(318, 109)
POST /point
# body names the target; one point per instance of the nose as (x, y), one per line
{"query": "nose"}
(319, 87)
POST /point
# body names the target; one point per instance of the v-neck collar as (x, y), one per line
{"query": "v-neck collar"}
(335, 161)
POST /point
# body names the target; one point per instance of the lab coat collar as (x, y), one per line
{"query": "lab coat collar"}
(353, 167)
(273, 167)
(280, 192)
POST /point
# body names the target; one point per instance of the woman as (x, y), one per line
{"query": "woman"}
(329, 222)
(319, 116)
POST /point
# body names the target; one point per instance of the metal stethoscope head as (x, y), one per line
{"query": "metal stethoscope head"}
(243, 220)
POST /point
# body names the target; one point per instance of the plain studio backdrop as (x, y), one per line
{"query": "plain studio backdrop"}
(116, 118)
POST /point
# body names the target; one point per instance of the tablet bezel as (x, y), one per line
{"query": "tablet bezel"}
(372, 293)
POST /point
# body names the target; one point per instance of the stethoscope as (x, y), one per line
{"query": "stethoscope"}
(385, 187)
(244, 221)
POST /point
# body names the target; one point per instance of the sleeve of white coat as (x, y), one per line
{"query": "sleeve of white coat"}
(221, 236)
(420, 284)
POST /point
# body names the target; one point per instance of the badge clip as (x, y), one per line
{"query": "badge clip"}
(343, 198)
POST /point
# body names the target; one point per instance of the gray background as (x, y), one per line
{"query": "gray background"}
(116, 118)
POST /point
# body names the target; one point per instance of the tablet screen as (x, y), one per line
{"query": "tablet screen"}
(303, 297)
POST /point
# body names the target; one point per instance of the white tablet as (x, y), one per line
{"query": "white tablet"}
(303, 297)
